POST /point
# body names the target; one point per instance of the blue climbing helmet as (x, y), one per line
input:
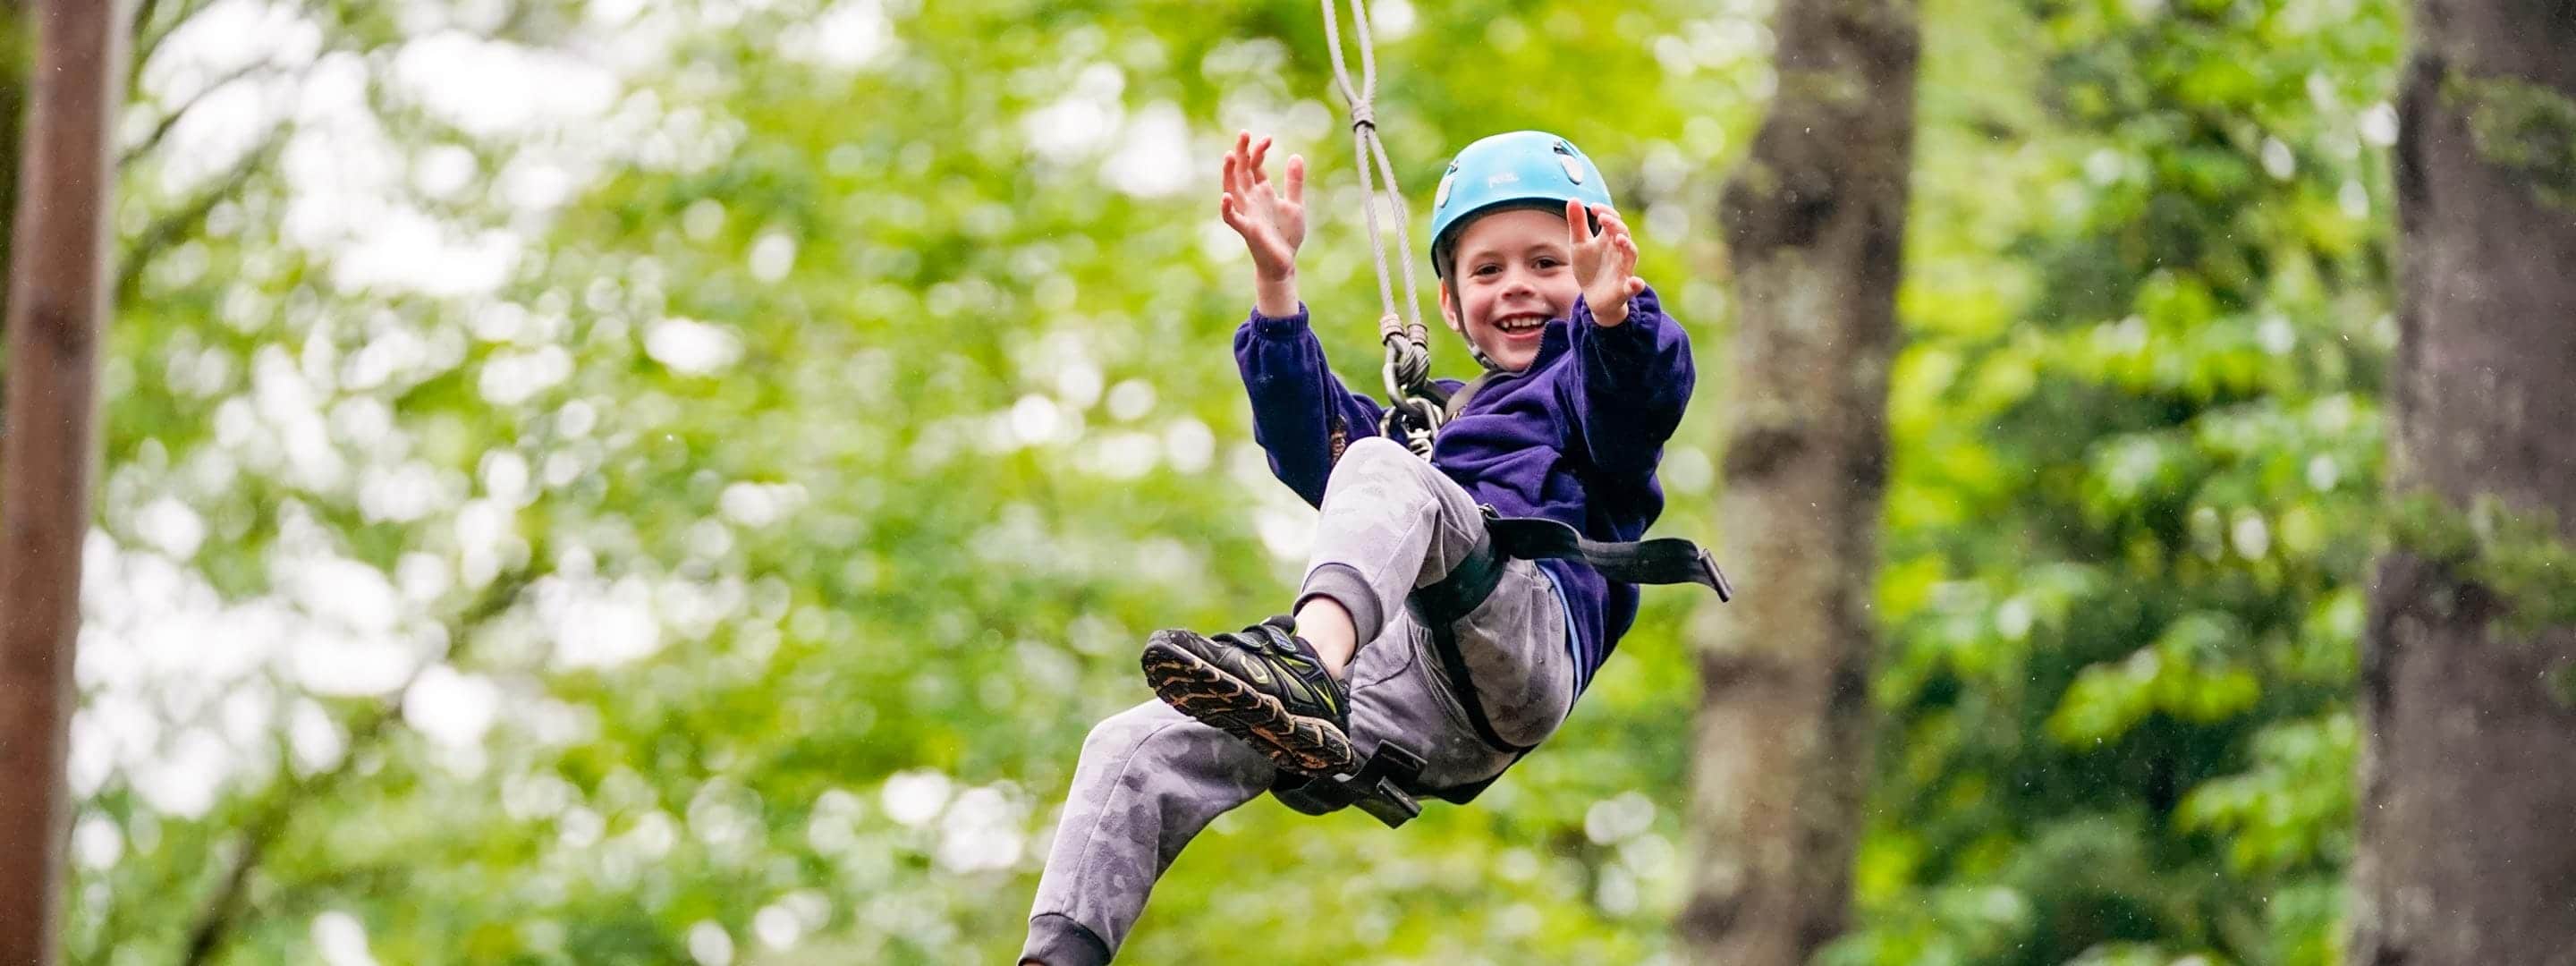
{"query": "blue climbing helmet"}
(1519, 169)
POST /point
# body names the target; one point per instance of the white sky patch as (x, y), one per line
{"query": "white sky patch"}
(356, 596)
(613, 13)
(423, 577)
(171, 623)
(913, 798)
(703, 219)
(710, 944)
(981, 832)
(329, 661)
(1153, 157)
(1131, 399)
(1390, 19)
(1078, 382)
(341, 939)
(172, 527)
(505, 477)
(348, 177)
(691, 347)
(1688, 469)
(96, 843)
(533, 183)
(346, 174)
(315, 739)
(186, 691)
(850, 35)
(1121, 456)
(1087, 117)
(1035, 419)
(185, 778)
(485, 529)
(225, 36)
(1286, 524)
(401, 493)
(594, 623)
(760, 504)
(493, 88)
(2277, 159)
(289, 405)
(2379, 125)
(405, 249)
(211, 45)
(442, 170)
(777, 926)
(772, 256)
(95, 734)
(219, 131)
(511, 378)
(451, 708)
(339, 162)
(174, 697)
(1189, 444)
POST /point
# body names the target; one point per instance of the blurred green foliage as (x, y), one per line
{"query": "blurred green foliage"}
(784, 513)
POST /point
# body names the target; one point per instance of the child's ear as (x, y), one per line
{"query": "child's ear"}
(1449, 309)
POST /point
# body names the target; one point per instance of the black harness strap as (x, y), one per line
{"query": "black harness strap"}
(1384, 787)
(1444, 643)
(1441, 605)
(1387, 785)
(1668, 560)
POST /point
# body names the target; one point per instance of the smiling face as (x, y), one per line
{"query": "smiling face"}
(1512, 273)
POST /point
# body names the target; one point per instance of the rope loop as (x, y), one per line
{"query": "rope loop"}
(1408, 343)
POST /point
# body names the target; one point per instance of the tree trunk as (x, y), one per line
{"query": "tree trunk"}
(57, 299)
(1815, 223)
(2467, 849)
(16, 64)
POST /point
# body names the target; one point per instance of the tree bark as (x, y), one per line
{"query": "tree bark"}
(1815, 223)
(57, 300)
(2467, 846)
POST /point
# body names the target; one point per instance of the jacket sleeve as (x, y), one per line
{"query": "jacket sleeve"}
(1297, 401)
(1629, 384)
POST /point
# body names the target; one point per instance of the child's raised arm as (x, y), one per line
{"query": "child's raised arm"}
(1297, 402)
(1272, 224)
(1632, 372)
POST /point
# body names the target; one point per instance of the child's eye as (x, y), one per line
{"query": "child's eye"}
(1545, 261)
(1488, 269)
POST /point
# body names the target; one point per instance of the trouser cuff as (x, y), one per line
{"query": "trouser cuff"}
(1346, 587)
(1057, 940)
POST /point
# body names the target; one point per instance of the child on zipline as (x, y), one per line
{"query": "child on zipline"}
(1585, 379)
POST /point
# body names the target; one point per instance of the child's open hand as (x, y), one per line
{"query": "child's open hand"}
(1605, 264)
(1272, 224)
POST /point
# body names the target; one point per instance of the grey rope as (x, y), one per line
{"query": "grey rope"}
(1408, 344)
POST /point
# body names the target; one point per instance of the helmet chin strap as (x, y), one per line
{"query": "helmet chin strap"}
(1474, 351)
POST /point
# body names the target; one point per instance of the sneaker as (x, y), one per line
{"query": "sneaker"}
(1263, 685)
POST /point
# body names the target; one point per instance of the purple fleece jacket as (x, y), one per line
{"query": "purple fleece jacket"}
(1574, 438)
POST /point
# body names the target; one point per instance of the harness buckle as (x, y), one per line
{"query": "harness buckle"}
(1380, 787)
(1716, 578)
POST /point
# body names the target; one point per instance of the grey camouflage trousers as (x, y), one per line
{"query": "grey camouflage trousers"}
(1150, 778)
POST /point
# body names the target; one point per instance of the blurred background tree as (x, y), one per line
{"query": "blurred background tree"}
(2468, 685)
(621, 481)
(1814, 223)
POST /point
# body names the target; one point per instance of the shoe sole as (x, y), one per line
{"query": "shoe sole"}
(1197, 688)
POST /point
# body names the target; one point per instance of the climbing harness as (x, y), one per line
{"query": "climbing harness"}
(1388, 783)
(1414, 413)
